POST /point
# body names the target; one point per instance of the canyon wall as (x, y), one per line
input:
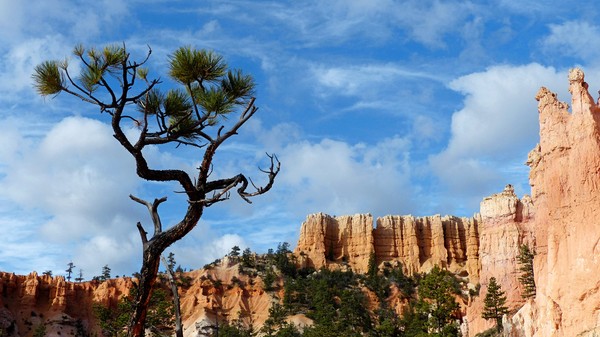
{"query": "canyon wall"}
(506, 224)
(565, 182)
(418, 243)
(26, 302)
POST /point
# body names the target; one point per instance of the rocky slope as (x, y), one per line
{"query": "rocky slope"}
(29, 301)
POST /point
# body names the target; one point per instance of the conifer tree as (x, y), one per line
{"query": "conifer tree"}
(437, 302)
(495, 303)
(526, 267)
(80, 277)
(105, 273)
(210, 105)
(69, 270)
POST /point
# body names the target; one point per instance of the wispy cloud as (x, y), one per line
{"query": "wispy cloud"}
(578, 39)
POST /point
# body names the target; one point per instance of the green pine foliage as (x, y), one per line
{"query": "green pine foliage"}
(114, 320)
(437, 301)
(495, 303)
(527, 278)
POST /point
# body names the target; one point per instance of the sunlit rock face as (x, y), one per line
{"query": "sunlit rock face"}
(560, 221)
(506, 224)
(418, 243)
(31, 300)
(565, 181)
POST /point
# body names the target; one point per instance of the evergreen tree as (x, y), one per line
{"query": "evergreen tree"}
(436, 300)
(171, 261)
(235, 252)
(47, 273)
(105, 273)
(80, 277)
(495, 301)
(372, 265)
(210, 105)
(526, 267)
(247, 260)
(69, 270)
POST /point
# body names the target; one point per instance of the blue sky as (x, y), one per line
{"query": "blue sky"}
(381, 107)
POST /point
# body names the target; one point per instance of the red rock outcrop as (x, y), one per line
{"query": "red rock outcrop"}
(28, 301)
(418, 243)
(347, 239)
(565, 185)
(506, 224)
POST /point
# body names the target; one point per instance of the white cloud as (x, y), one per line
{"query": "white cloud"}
(17, 64)
(78, 19)
(365, 79)
(79, 178)
(429, 21)
(574, 39)
(339, 178)
(497, 123)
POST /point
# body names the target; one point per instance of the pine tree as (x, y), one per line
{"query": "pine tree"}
(69, 270)
(437, 301)
(171, 263)
(235, 251)
(80, 277)
(105, 273)
(526, 267)
(210, 105)
(494, 302)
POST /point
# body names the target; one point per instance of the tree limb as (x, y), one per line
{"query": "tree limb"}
(153, 209)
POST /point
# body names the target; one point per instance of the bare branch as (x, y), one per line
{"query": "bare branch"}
(153, 209)
(272, 173)
(143, 233)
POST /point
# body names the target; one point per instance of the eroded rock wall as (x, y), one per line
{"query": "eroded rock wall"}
(418, 243)
(31, 300)
(565, 182)
(506, 224)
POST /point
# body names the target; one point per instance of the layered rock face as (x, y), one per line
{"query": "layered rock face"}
(565, 182)
(506, 224)
(419, 243)
(344, 238)
(28, 301)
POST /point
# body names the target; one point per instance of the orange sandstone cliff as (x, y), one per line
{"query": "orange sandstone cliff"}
(565, 182)
(561, 221)
(419, 243)
(29, 301)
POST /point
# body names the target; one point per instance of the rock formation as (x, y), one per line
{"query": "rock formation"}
(565, 181)
(506, 224)
(560, 221)
(418, 243)
(28, 301)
